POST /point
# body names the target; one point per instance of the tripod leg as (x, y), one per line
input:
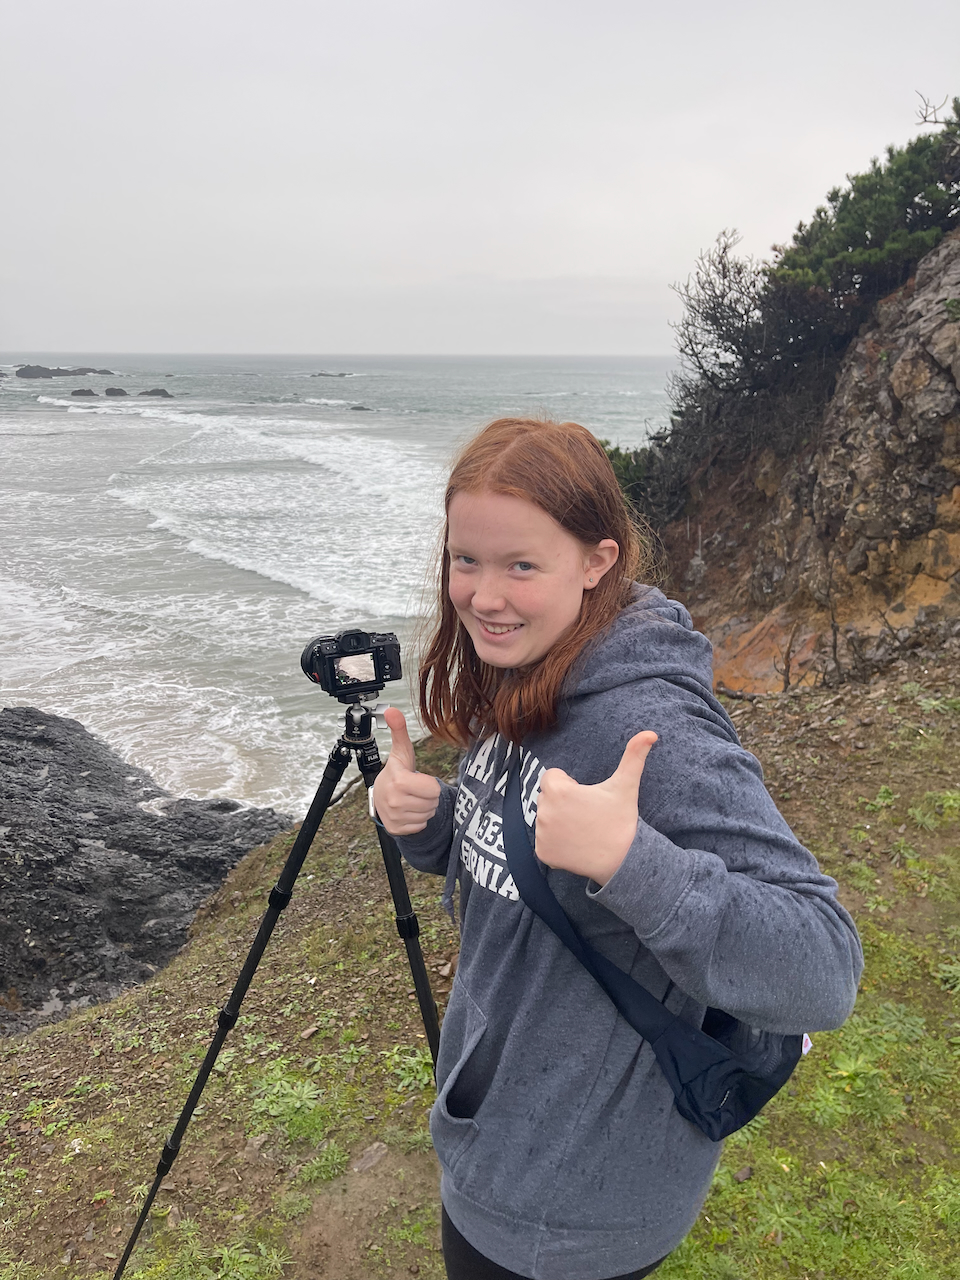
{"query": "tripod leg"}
(280, 895)
(408, 926)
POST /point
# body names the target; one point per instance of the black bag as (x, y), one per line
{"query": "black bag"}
(721, 1076)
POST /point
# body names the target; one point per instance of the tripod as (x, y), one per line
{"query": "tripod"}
(357, 740)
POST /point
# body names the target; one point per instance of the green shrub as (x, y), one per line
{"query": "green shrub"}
(760, 343)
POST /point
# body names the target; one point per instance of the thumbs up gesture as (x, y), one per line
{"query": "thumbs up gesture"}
(405, 800)
(588, 829)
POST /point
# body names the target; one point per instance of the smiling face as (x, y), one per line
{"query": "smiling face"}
(516, 577)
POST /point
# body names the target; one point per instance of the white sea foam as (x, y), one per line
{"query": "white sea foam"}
(163, 562)
(337, 516)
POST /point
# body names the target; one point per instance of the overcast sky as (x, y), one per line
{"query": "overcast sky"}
(496, 176)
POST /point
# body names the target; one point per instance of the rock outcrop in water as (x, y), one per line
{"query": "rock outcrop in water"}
(840, 559)
(41, 371)
(101, 870)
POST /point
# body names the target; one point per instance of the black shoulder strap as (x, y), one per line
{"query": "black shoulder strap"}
(641, 1009)
(713, 1088)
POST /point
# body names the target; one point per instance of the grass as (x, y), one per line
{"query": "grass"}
(328, 1057)
(852, 1172)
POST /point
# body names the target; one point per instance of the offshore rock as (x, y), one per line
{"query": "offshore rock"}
(115, 391)
(101, 870)
(83, 391)
(41, 371)
(836, 561)
(157, 391)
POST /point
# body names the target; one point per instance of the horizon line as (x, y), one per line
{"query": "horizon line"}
(354, 355)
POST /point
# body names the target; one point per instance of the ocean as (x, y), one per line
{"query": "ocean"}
(164, 561)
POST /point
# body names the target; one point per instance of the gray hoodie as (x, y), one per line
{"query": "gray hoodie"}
(563, 1156)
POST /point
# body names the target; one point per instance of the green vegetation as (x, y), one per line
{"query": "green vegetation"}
(327, 1062)
(760, 342)
(852, 1173)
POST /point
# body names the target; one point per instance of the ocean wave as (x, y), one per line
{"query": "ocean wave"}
(231, 716)
(301, 529)
(323, 400)
(372, 464)
(344, 597)
(128, 409)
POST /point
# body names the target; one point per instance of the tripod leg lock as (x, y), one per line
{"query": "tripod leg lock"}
(167, 1158)
(279, 897)
(408, 926)
(227, 1018)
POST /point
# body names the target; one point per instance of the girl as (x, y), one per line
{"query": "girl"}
(563, 1156)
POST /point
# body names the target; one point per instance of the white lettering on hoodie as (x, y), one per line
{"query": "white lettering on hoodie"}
(481, 842)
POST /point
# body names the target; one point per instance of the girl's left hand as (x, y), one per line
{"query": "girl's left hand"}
(588, 829)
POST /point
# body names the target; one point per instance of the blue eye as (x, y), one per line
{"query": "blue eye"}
(523, 565)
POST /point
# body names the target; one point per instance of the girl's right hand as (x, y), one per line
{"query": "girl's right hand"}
(405, 800)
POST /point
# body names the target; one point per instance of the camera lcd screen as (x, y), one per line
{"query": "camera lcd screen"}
(355, 669)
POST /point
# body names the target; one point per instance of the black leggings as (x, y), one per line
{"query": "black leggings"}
(463, 1262)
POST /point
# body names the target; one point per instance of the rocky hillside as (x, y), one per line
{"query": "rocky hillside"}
(101, 870)
(848, 555)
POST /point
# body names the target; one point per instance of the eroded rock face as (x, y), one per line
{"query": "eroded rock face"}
(855, 548)
(101, 870)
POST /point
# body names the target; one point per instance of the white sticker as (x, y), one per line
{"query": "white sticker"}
(807, 1043)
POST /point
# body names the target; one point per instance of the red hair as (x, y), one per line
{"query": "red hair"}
(562, 469)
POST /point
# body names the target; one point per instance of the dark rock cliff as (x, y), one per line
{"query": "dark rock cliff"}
(835, 561)
(101, 870)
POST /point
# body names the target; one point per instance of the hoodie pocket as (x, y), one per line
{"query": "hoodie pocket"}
(463, 1087)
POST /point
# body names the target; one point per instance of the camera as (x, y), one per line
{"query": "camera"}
(353, 664)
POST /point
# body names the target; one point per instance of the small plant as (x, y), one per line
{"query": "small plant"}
(351, 1054)
(238, 1262)
(948, 975)
(420, 1139)
(922, 818)
(942, 706)
(924, 1073)
(283, 1097)
(945, 805)
(825, 1107)
(419, 1229)
(330, 1163)
(952, 308)
(412, 1067)
(898, 1023)
(885, 800)
(902, 851)
(295, 1204)
(861, 877)
(944, 1195)
(777, 1220)
(854, 1073)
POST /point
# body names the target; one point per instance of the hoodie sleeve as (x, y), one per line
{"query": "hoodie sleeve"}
(429, 849)
(717, 886)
